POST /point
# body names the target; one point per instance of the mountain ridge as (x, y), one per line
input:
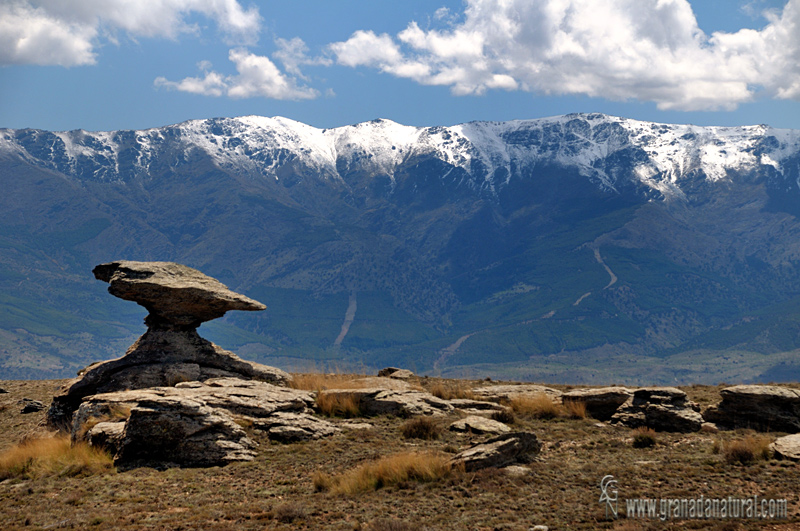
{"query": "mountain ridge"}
(504, 232)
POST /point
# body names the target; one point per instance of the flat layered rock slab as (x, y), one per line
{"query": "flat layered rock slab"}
(501, 451)
(659, 408)
(505, 393)
(601, 402)
(760, 407)
(479, 425)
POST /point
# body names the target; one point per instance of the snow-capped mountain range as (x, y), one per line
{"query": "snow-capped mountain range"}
(576, 248)
(488, 153)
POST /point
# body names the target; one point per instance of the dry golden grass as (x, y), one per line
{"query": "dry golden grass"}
(538, 406)
(53, 456)
(391, 470)
(314, 381)
(644, 437)
(116, 412)
(450, 389)
(344, 405)
(748, 450)
(421, 428)
(575, 409)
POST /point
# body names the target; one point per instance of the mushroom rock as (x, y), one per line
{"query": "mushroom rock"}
(178, 299)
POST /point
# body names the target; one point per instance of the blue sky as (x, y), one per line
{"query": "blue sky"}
(116, 64)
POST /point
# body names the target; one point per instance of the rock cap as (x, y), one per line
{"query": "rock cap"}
(176, 296)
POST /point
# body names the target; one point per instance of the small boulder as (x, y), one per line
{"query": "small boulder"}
(30, 406)
(479, 425)
(601, 403)
(394, 372)
(504, 450)
(2, 391)
(787, 447)
(760, 407)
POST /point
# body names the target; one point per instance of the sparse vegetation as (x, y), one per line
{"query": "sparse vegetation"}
(504, 415)
(575, 409)
(315, 381)
(747, 450)
(52, 456)
(644, 437)
(421, 428)
(538, 406)
(450, 389)
(392, 470)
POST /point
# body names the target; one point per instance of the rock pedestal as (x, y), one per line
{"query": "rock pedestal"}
(178, 299)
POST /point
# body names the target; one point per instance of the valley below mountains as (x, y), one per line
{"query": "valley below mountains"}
(575, 249)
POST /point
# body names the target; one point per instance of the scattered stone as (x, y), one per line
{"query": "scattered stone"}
(539, 528)
(196, 424)
(760, 407)
(517, 471)
(394, 372)
(601, 403)
(787, 447)
(659, 408)
(30, 406)
(504, 450)
(2, 391)
(402, 403)
(505, 393)
(479, 425)
(709, 427)
(179, 299)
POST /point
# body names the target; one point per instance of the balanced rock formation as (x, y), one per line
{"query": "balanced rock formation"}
(659, 408)
(196, 424)
(760, 407)
(601, 403)
(178, 299)
(503, 450)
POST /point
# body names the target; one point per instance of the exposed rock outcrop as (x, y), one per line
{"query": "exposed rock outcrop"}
(787, 447)
(504, 450)
(30, 405)
(601, 403)
(505, 393)
(479, 425)
(196, 424)
(178, 299)
(659, 408)
(760, 407)
(394, 372)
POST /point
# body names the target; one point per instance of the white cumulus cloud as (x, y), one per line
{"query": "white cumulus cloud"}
(57, 32)
(257, 76)
(650, 50)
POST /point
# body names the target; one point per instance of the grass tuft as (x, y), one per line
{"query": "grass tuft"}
(289, 512)
(505, 416)
(538, 406)
(748, 450)
(391, 470)
(314, 381)
(344, 405)
(421, 428)
(449, 390)
(644, 437)
(575, 409)
(53, 456)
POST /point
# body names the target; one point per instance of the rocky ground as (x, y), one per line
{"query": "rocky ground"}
(279, 489)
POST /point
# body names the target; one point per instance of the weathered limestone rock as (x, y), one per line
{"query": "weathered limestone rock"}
(601, 403)
(505, 393)
(479, 425)
(475, 406)
(394, 372)
(787, 447)
(404, 403)
(196, 424)
(659, 408)
(504, 450)
(761, 407)
(179, 299)
(176, 296)
(384, 383)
